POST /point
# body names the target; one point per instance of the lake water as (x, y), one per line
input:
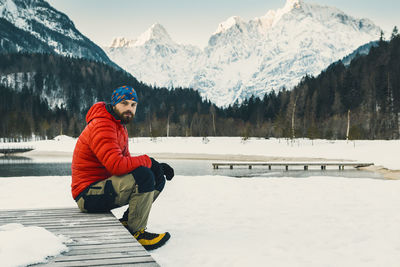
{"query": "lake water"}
(23, 166)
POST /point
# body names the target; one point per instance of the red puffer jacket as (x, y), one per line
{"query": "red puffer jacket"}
(102, 150)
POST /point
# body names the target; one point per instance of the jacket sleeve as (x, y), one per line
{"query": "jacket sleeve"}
(104, 144)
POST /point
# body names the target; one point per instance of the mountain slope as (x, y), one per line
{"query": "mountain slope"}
(248, 58)
(34, 26)
(362, 50)
(39, 93)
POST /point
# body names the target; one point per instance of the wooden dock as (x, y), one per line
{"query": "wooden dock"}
(98, 239)
(9, 150)
(305, 165)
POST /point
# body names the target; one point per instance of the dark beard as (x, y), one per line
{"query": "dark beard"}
(122, 118)
(118, 115)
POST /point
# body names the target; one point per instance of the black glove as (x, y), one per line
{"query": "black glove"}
(156, 169)
(167, 170)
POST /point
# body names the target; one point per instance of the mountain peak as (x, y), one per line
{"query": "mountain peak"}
(227, 24)
(273, 16)
(34, 26)
(291, 4)
(22, 14)
(156, 32)
(122, 42)
(245, 58)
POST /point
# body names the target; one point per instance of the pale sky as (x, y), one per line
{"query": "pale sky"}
(193, 22)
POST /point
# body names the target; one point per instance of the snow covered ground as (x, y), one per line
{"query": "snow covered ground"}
(380, 152)
(19, 244)
(225, 221)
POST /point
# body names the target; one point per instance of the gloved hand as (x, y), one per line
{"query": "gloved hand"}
(167, 170)
(156, 168)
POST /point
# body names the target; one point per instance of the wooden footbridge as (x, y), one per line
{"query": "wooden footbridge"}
(10, 150)
(305, 165)
(96, 239)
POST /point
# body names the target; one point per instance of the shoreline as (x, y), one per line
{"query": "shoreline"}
(189, 156)
(386, 173)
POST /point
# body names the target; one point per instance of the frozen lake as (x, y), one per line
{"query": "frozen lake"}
(24, 166)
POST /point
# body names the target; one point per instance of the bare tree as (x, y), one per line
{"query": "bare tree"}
(168, 125)
(348, 125)
(213, 114)
(293, 115)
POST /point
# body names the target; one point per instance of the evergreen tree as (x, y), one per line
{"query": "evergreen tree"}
(395, 33)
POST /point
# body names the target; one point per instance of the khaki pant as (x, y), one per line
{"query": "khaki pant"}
(100, 198)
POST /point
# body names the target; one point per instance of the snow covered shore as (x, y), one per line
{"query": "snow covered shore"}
(20, 246)
(225, 221)
(383, 153)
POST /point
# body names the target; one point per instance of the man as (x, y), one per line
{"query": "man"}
(106, 176)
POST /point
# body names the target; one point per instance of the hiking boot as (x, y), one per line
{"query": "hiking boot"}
(151, 241)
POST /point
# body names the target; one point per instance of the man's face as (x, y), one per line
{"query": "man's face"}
(126, 110)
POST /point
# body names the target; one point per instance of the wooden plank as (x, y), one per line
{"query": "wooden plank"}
(61, 226)
(56, 216)
(105, 255)
(54, 221)
(48, 210)
(72, 228)
(117, 261)
(49, 213)
(84, 251)
(53, 212)
(117, 236)
(142, 264)
(93, 241)
(99, 229)
(98, 239)
(86, 231)
(105, 245)
(89, 244)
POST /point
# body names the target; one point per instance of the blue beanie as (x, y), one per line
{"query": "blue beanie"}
(123, 93)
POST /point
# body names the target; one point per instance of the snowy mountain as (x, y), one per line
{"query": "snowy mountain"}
(362, 50)
(156, 59)
(245, 58)
(35, 26)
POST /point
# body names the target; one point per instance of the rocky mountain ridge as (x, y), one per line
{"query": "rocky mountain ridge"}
(34, 26)
(245, 58)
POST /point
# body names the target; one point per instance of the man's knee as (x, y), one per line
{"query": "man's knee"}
(144, 179)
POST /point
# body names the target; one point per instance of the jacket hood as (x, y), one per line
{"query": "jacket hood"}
(98, 110)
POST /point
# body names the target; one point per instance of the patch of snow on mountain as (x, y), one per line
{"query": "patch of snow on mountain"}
(247, 58)
(23, 16)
